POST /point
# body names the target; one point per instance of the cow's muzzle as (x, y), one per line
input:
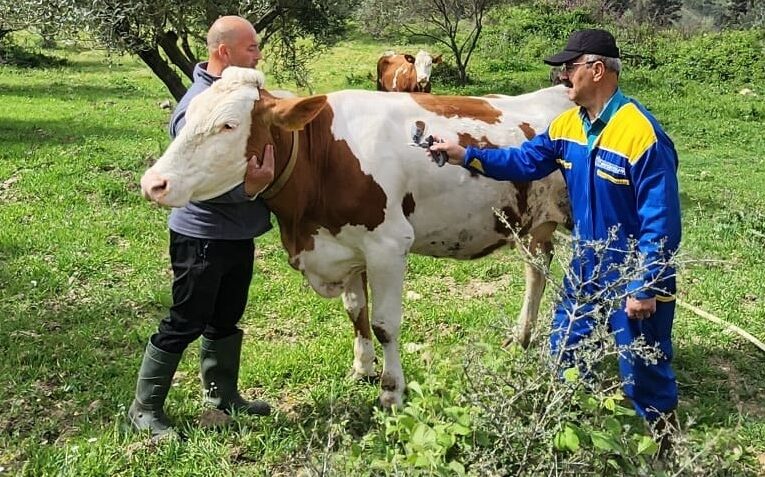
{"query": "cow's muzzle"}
(154, 187)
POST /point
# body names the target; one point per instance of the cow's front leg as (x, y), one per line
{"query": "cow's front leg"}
(355, 302)
(385, 270)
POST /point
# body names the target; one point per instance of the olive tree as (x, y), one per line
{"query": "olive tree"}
(164, 34)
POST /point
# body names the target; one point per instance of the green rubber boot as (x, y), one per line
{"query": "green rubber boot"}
(154, 380)
(219, 363)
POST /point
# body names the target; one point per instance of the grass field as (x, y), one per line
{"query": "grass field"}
(84, 279)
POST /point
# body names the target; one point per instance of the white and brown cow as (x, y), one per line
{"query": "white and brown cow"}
(353, 197)
(405, 73)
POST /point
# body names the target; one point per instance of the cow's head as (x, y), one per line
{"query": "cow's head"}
(423, 65)
(225, 125)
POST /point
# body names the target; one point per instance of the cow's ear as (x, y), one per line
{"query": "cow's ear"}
(409, 58)
(294, 113)
(437, 59)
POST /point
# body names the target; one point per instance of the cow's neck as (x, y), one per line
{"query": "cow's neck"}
(295, 205)
(325, 189)
(283, 176)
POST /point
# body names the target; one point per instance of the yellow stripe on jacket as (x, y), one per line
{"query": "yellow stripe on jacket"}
(629, 134)
(568, 127)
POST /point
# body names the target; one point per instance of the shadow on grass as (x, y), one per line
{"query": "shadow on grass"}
(68, 91)
(718, 385)
(69, 368)
(64, 131)
(706, 204)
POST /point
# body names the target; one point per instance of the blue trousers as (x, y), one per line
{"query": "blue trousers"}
(652, 388)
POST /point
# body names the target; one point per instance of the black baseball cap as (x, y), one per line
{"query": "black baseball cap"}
(583, 42)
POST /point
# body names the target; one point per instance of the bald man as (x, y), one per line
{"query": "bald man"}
(212, 249)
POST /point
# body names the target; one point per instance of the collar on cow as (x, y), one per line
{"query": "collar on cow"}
(278, 184)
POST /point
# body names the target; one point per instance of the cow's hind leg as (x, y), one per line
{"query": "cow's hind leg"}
(356, 305)
(540, 247)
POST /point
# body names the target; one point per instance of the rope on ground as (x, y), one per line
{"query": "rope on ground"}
(728, 326)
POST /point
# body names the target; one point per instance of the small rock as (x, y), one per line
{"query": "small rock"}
(165, 104)
(747, 92)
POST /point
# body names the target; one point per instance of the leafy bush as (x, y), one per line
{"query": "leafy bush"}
(446, 73)
(723, 57)
(516, 38)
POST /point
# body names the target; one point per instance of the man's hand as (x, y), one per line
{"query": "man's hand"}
(640, 309)
(259, 173)
(455, 152)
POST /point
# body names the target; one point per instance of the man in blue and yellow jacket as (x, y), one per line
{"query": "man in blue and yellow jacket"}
(621, 171)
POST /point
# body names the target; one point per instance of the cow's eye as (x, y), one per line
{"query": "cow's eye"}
(228, 127)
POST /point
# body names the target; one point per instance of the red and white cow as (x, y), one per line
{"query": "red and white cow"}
(405, 73)
(353, 197)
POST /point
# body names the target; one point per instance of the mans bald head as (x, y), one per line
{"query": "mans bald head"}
(232, 41)
(227, 30)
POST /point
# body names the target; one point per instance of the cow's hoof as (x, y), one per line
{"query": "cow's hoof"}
(388, 399)
(364, 378)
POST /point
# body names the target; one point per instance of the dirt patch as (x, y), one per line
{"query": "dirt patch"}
(472, 289)
(8, 190)
(214, 419)
(290, 406)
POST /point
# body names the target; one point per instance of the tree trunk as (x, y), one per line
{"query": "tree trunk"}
(463, 74)
(163, 71)
(169, 42)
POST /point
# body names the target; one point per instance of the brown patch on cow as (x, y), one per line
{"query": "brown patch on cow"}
(522, 195)
(486, 251)
(545, 247)
(407, 205)
(381, 333)
(515, 216)
(528, 131)
(459, 107)
(361, 322)
(466, 139)
(405, 80)
(327, 188)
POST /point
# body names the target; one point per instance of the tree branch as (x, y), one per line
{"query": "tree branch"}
(169, 42)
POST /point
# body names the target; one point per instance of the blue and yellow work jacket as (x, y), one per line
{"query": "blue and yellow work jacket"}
(621, 173)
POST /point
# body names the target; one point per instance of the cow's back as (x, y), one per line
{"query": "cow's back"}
(450, 209)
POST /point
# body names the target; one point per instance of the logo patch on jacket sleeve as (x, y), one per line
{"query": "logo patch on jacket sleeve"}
(476, 164)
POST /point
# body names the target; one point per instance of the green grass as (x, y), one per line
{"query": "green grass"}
(84, 278)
